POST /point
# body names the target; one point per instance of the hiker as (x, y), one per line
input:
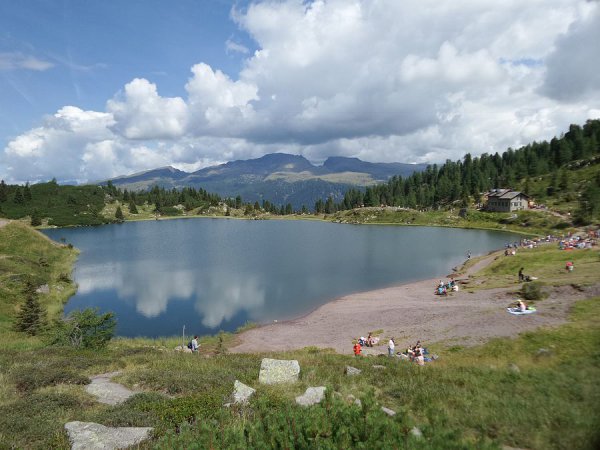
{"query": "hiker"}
(391, 347)
(357, 349)
(369, 340)
(521, 276)
(195, 345)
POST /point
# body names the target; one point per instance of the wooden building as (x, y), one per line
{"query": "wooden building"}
(506, 200)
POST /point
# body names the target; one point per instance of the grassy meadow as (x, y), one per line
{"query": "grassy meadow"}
(536, 391)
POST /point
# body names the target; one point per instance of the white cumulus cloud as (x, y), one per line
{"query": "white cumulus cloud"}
(385, 80)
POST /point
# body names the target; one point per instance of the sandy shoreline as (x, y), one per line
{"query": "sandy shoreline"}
(410, 312)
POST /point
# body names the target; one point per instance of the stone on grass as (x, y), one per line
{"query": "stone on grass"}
(241, 392)
(183, 348)
(388, 411)
(43, 289)
(352, 370)
(312, 396)
(106, 391)
(416, 432)
(92, 436)
(274, 371)
(352, 399)
(543, 352)
(514, 368)
(379, 367)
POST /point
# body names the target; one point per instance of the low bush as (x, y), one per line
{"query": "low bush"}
(84, 329)
(532, 291)
(29, 377)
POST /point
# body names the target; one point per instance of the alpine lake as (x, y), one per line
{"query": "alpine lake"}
(219, 274)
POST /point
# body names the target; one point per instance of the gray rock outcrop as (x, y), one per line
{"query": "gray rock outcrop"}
(93, 436)
(312, 396)
(274, 371)
(106, 391)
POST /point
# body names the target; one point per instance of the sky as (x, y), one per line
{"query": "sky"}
(93, 89)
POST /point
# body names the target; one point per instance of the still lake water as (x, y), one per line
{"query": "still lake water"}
(217, 274)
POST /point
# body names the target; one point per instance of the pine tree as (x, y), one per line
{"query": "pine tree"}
(119, 214)
(3, 191)
(19, 200)
(31, 319)
(27, 192)
(132, 208)
(36, 220)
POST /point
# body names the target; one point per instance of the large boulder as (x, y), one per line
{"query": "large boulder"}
(312, 396)
(92, 436)
(274, 371)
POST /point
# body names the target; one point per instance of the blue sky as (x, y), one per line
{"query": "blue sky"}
(96, 47)
(96, 89)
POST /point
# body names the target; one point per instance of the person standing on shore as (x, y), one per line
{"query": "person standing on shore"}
(391, 347)
(521, 276)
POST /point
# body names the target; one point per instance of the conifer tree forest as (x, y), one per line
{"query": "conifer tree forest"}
(452, 184)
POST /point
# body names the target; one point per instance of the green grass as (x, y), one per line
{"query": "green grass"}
(546, 262)
(505, 392)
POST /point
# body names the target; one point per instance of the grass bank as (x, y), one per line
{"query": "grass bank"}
(537, 391)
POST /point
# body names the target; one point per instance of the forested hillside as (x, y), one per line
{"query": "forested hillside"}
(565, 170)
(563, 174)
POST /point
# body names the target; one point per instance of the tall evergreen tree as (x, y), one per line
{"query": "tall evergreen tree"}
(31, 319)
(36, 219)
(27, 192)
(19, 200)
(119, 214)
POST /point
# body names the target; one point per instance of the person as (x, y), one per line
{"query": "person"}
(195, 345)
(522, 306)
(469, 254)
(569, 266)
(419, 358)
(521, 276)
(357, 349)
(369, 340)
(391, 347)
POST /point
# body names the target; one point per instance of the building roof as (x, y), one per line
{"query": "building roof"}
(507, 194)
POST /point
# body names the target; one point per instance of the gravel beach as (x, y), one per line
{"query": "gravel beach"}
(411, 312)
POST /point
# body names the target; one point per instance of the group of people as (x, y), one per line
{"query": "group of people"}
(444, 288)
(416, 353)
(361, 342)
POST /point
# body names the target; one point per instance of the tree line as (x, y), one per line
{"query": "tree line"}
(463, 182)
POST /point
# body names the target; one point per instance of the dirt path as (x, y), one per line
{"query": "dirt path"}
(410, 312)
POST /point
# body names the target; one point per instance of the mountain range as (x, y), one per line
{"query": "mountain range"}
(279, 178)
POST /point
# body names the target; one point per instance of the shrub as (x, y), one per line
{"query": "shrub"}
(32, 316)
(84, 329)
(532, 291)
(29, 377)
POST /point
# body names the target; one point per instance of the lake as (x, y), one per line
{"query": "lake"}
(218, 274)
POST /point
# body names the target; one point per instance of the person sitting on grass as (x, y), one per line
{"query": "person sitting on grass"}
(357, 349)
(195, 345)
(369, 340)
(521, 305)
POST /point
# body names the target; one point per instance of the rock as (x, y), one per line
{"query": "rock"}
(514, 368)
(352, 399)
(416, 432)
(43, 289)
(273, 371)
(388, 411)
(379, 367)
(183, 348)
(352, 371)
(241, 392)
(312, 396)
(543, 352)
(91, 436)
(108, 392)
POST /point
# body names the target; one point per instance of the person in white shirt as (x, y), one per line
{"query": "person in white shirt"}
(391, 347)
(195, 345)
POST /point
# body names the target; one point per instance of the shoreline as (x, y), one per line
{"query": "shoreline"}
(410, 312)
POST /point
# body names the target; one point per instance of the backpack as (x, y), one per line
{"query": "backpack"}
(190, 346)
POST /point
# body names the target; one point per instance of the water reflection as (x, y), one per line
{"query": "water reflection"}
(218, 274)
